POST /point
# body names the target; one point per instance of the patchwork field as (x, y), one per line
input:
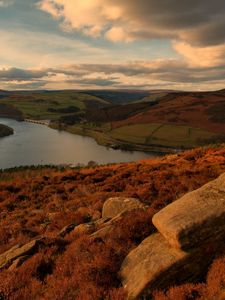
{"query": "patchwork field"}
(162, 134)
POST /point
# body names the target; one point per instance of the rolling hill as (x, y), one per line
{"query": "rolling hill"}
(157, 120)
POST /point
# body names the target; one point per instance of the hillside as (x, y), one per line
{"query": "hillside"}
(204, 110)
(147, 121)
(66, 262)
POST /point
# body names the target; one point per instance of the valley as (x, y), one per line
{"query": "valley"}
(147, 121)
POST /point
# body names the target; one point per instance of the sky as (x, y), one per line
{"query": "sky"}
(112, 44)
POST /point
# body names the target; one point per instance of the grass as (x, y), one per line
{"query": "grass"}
(162, 134)
(36, 105)
(98, 134)
(134, 133)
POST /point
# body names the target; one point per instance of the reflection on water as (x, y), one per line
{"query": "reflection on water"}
(34, 144)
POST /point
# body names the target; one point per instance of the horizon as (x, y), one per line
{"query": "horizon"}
(112, 45)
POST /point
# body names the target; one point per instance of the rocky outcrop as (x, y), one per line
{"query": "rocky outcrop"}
(195, 218)
(82, 229)
(155, 264)
(192, 231)
(114, 206)
(18, 251)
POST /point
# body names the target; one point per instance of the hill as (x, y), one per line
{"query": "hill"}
(53, 212)
(147, 121)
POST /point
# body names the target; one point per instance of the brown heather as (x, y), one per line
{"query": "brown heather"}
(42, 201)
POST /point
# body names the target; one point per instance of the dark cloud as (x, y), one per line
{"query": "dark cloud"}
(20, 74)
(197, 22)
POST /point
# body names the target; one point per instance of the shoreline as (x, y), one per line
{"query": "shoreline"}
(105, 140)
(5, 130)
(102, 138)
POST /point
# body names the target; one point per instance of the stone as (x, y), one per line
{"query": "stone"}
(67, 229)
(86, 228)
(18, 262)
(196, 218)
(17, 251)
(114, 206)
(154, 264)
(103, 232)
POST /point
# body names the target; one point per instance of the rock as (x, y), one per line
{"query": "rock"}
(195, 218)
(114, 206)
(155, 264)
(18, 262)
(101, 221)
(103, 232)
(96, 215)
(17, 251)
(67, 229)
(82, 229)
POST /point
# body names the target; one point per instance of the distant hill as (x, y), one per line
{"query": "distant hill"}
(128, 119)
(120, 97)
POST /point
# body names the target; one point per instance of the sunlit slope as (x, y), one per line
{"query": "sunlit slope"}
(52, 105)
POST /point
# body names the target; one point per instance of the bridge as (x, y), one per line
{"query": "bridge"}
(42, 122)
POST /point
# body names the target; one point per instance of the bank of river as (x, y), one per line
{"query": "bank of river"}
(5, 130)
(35, 144)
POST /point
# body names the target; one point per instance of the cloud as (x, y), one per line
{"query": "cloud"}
(117, 34)
(43, 49)
(20, 74)
(161, 73)
(210, 56)
(195, 22)
(6, 3)
(27, 85)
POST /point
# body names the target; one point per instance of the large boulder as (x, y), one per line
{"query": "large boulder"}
(196, 218)
(154, 264)
(115, 206)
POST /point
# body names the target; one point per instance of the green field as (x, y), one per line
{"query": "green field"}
(36, 105)
(162, 134)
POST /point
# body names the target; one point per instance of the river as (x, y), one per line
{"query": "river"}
(34, 144)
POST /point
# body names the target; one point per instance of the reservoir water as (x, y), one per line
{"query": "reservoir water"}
(34, 144)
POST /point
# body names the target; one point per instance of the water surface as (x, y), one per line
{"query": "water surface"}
(34, 144)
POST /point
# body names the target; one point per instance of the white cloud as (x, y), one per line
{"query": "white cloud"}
(210, 56)
(118, 34)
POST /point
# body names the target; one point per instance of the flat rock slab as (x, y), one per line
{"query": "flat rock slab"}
(154, 264)
(114, 206)
(196, 218)
(17, 251)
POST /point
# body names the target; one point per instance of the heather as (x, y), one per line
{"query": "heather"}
(37, 202)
